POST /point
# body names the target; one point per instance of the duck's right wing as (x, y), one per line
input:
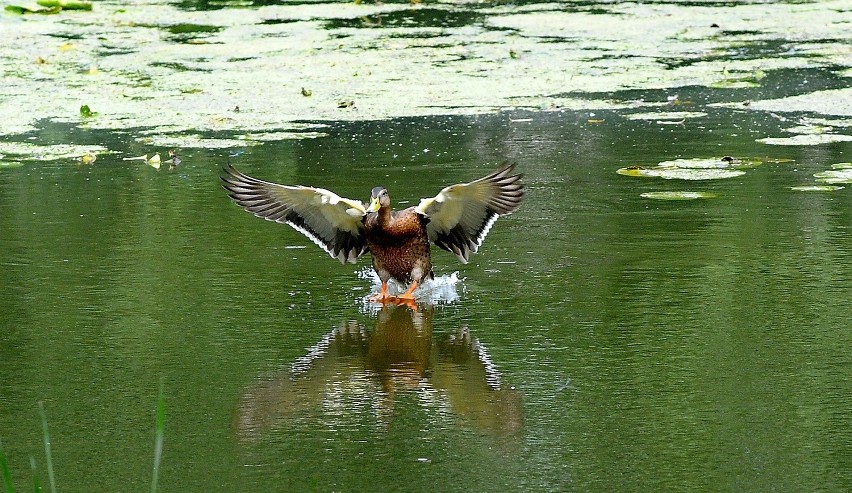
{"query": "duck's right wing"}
(330, 221)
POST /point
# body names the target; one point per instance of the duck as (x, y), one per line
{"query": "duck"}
(457, 220)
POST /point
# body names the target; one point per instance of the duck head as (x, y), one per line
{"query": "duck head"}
(379, 199)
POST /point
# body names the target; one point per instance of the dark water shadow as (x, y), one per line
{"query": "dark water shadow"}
(353, 365)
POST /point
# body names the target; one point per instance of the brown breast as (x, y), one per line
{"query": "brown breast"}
(398, 243)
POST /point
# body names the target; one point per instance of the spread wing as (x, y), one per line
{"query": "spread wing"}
(461, 215)
(330, 221)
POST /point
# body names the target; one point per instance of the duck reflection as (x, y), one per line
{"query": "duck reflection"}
(353, 374)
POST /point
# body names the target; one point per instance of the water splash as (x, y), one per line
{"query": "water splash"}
(442, 290)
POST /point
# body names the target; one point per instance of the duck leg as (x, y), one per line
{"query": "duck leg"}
(408, 294)
(383, 296)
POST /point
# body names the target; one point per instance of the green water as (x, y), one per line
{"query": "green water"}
(600, 341)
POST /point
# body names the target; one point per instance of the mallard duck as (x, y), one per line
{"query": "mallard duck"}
(457, 220)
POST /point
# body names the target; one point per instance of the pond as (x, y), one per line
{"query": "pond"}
(668, 309)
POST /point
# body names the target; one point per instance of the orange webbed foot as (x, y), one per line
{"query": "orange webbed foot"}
(407, 298)
(381, 297)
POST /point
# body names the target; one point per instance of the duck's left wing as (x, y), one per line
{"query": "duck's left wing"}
(461, 215)
(330, 221)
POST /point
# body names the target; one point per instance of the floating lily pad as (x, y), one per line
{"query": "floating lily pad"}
(666, 115)
(816, 188)
(681, 173)
(843, 175)
(810, 129)
(726, 162)
(677, 195)
(806, 139)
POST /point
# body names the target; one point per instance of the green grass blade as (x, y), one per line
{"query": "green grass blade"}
(4, 469)
(47, 454)
(158, 441)
(36, 484)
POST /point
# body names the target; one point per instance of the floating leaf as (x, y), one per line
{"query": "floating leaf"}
(66, 4)
(816, 188)
(154, 161)
(666, 115)
(16, 9)
(681, 173)
(22, 9)
(806, 139)
(86, 112)
(677, 195)
(88, 158)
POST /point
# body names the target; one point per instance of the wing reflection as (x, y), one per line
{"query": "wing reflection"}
(353, 374)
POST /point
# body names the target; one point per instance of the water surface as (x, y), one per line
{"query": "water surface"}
(600, 341)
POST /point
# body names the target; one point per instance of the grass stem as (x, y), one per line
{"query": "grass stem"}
(47, 453)
(36, 483)
(158, 440)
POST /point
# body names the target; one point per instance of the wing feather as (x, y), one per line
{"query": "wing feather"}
(330, 221)
(460, 216)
